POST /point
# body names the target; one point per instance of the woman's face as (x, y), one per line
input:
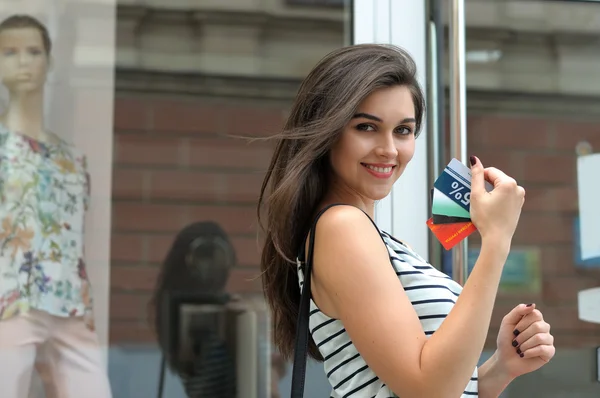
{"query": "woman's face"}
(375, 147)
(23, 59)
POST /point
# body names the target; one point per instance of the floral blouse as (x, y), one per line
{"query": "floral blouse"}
(44, 193)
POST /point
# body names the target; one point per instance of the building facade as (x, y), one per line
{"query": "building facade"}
(164, 100)
(189, 75)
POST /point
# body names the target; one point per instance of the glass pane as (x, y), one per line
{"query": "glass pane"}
(191, 78)
(56, 107)
(533, 90)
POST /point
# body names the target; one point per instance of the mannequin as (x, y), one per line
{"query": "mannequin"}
(45, 294)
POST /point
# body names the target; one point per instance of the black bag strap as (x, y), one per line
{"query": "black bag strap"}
(302, 329)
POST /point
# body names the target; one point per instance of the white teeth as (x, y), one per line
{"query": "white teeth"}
(379, 169)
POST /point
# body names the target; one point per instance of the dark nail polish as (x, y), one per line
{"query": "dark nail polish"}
(516, 332)
(529, 305)
(521, 355)
(473, 160)
(514, 343)
(519, 351)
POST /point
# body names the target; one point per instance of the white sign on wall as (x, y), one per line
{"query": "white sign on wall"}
(588, 167)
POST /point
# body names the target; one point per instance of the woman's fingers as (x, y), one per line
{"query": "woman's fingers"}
(526, 322)
(544, 352)
(543, 338)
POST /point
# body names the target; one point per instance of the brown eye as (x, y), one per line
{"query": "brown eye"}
(365, 127)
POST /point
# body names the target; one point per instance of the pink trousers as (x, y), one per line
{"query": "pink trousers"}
(69, 359)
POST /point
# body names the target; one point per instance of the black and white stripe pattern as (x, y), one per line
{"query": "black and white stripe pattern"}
(432, 293)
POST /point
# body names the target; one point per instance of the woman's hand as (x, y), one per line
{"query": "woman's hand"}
(524, 341)
(495, 213)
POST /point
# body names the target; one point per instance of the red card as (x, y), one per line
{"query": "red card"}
(450, 235)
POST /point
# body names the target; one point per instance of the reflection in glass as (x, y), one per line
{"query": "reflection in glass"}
(45, 294)
(187, 82)
(206, 335)
(195, 272)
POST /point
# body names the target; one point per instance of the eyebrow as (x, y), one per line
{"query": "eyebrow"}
(375, 118)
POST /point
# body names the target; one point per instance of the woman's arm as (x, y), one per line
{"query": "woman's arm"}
(491, 379)
(355, 282)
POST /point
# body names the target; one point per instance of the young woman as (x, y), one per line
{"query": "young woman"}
(384, 321)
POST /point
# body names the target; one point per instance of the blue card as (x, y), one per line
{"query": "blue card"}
(455, 183)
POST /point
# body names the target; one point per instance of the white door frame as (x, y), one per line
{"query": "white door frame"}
(401, 22)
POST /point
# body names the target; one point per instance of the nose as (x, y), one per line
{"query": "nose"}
(386, 147)
(23, 59)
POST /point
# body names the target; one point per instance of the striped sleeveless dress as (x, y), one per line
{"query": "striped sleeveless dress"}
(432, 294)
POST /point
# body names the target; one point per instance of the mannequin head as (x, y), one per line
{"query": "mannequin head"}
(24, 54)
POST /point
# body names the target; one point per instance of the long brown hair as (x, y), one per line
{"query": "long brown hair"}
(296, 180)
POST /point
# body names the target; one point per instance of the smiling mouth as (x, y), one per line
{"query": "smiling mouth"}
(384, 170)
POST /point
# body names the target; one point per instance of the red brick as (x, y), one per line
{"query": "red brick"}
(128, 306)
(561, 198)
(136, 149)
(129, 184)
(500, 132)
(143, 279)
(565, 319)
(233, 219)
(567, 199)
(159, 247)
(187, 116)
(549, 168)
(130, 332)
(127, 248)
(570, 132)
(142, 217)
(204, 186)
(576, 340)
(507, 161)
(139, 217)
(563, 290)
(540, 199)
(558, 260)
(133, 278)
(247, 252)
(229, 153)
(131, 113)
(244, 281)
(541, 228)
(254, 120)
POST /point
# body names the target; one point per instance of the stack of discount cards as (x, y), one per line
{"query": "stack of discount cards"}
(451, 205)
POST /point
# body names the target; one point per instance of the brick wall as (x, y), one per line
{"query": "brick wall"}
(540, 154)
(174, 165)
